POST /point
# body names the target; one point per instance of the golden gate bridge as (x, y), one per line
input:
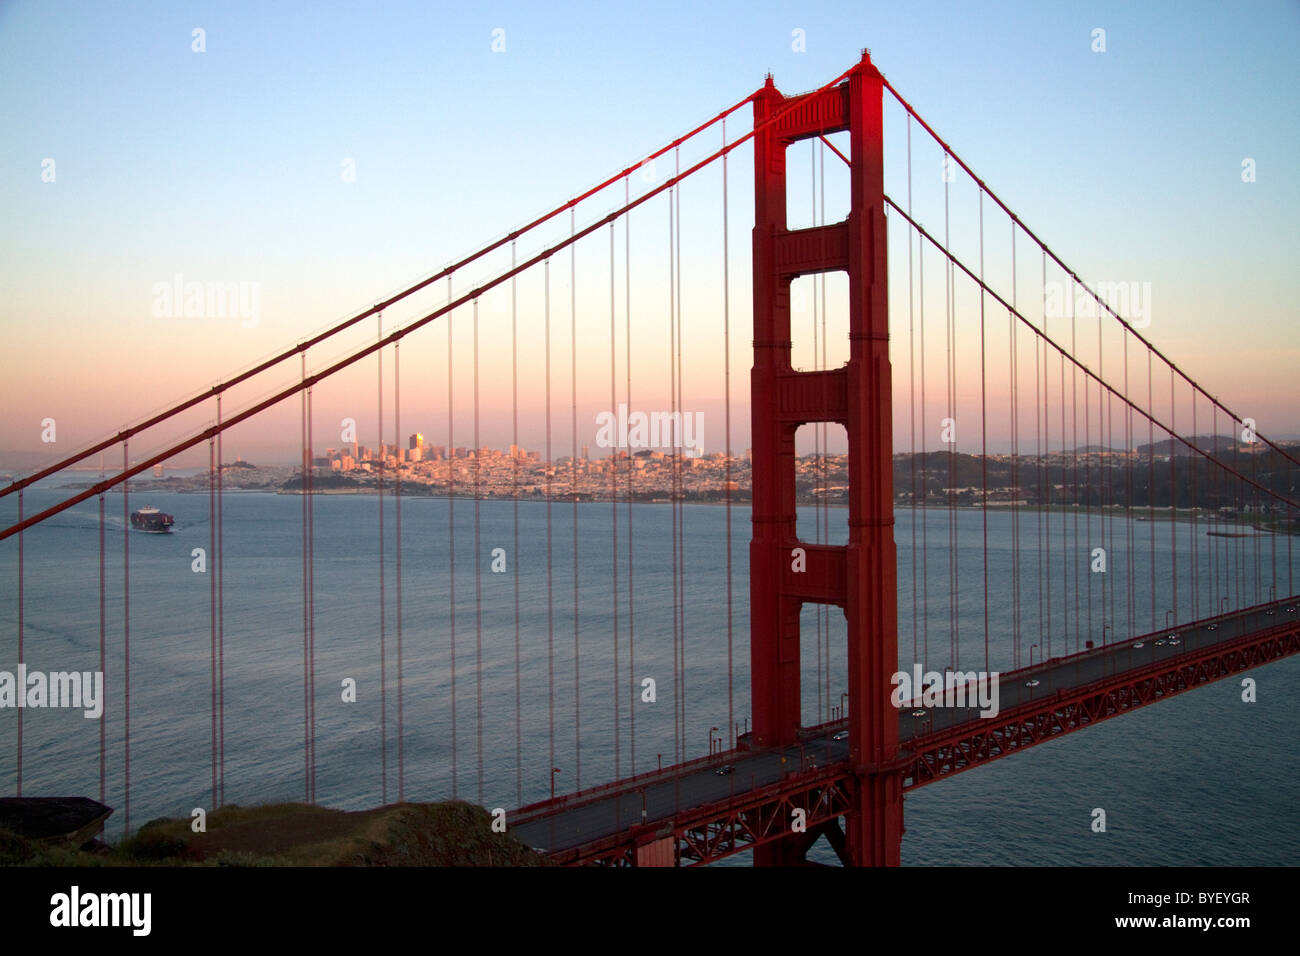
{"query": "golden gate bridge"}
(944, 325)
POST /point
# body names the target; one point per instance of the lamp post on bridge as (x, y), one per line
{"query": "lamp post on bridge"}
(712, 731)
(1031, 654)
(554, 771)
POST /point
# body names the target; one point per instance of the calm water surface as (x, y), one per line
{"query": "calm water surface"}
(1201, 779)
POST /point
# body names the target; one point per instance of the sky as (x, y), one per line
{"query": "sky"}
(327, 154)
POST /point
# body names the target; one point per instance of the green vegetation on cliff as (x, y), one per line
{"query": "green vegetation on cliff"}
(295, 834)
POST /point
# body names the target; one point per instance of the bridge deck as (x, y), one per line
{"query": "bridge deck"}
(663, 800)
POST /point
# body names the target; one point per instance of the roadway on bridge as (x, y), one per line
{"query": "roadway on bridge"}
(664, 795)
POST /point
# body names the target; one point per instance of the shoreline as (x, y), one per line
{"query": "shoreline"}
(1137, 513)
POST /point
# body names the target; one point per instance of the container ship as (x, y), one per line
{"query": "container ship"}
(151, 519)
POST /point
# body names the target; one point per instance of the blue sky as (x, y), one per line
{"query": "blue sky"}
(226, 163)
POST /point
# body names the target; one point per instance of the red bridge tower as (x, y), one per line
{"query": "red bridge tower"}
(860, 577)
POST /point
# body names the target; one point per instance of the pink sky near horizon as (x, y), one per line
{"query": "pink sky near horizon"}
(155, 193)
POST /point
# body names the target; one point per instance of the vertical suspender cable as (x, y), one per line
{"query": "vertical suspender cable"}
(1048, 486)
(212, 610)
(613, 502)
(679, 532)
(306, 688)
(951, 371)
(677, 460)
(1106, 470)
(550, 565)
(1039, 464)
(911, 368)
(383, 602)
(1242, 597)
(573, 479)
(1129, 462)
(221, 625)
(1015, 459)
(478, 570)
(23, 690)
(1112, 504)
(103, 646)
(1243, 504)
(925, 501)
(1257, 516)
(631, 473)
(672, 400)
(726, 400)
(397, 561)
(1074, 462)
(451, 542)
(1085, 553)
(984, 442)
(514, 466)
(1192, 533)
(1066, 544)
(311, 592)
(1173, 498)
(1215, 603)
(1108, 586)
(1151, 490)
(126, 648)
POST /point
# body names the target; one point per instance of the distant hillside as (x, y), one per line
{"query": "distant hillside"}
(1207, 443)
